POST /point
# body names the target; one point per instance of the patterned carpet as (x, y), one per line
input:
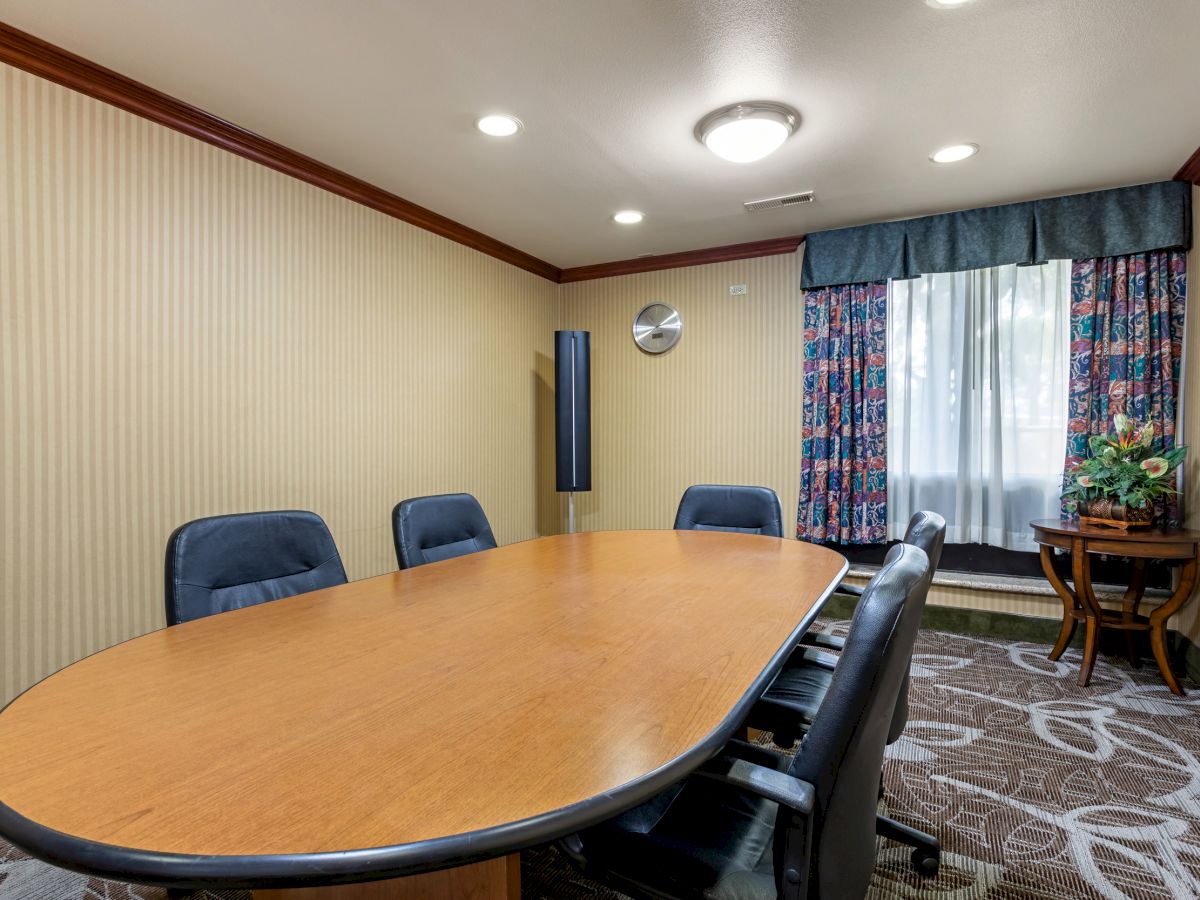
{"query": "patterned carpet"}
(1037, 788)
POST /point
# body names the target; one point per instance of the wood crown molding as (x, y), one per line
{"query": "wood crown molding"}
(24, 51)
(770, 247)
(1190, 170)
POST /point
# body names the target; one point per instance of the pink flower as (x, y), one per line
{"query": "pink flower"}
(1155, 466)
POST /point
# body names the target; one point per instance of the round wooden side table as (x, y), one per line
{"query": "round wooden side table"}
(1080, 603)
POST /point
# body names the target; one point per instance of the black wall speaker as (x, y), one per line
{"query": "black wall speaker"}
(573, 409)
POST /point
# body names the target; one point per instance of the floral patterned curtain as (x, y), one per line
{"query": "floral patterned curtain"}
(1126, 345)
(843, 472)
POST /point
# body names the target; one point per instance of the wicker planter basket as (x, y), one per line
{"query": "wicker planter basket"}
(1111, 514)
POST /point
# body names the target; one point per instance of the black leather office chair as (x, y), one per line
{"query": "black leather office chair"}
(429, 529)
(226, 562)
(730, 507)
(754, 825)
(794, 699)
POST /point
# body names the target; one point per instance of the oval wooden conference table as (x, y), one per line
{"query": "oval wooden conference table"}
(435, 717)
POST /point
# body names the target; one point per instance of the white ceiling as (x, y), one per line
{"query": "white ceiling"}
(1063, 96)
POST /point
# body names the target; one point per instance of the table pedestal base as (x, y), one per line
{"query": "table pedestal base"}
(494, 879)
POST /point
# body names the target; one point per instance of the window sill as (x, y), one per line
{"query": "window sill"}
(1009, 584)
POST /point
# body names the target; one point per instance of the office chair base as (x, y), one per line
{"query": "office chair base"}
(925, 863)
(927, 857)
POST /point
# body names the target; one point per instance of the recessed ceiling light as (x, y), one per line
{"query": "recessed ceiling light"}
(955, 153)
(946, 4)
(499, 126)
(746, 132)
(628, 217)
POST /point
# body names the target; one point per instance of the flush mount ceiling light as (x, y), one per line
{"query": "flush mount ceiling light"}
(946, 4)
(499, 126)
(746, 132)
(955, 153)
(628, 217)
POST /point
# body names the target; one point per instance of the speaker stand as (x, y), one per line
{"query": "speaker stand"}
(570, 512)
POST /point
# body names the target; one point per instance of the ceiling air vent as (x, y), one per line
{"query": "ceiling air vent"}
(776, 202)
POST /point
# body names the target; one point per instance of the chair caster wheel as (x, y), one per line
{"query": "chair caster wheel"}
(926, 863)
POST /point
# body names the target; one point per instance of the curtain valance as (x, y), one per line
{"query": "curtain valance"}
(1115, 222)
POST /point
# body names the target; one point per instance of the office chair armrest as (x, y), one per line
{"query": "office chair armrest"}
(784, 789)
(790, 793)
(808, 655)
(832, 641)
(825, 641)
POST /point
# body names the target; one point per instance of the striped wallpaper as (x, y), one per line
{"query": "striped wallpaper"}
(184, 333)
(722, 406)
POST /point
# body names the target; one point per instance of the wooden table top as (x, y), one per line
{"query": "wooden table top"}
(1134, 535)
(419, 719)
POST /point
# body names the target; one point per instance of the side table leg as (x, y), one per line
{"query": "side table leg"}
(1158, 624)
(1081, 574)
(1158, 644)
(1129, 608)
(1070, 602)
(1091, 649)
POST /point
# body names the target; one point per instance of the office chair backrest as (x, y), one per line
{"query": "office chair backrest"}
(429, 529)
(842, 754)
(926, 530)
(221, 563)
(730, 507)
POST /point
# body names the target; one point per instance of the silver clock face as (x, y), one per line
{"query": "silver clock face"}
(657, 327)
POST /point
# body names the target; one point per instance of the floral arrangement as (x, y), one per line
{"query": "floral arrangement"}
(1128, 466)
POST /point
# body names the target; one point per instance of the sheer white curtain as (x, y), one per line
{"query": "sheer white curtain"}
(977, 400)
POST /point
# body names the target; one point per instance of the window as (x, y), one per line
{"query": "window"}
(977, 400)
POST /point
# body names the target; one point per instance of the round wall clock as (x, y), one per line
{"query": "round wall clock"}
(656, 328)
